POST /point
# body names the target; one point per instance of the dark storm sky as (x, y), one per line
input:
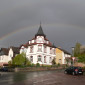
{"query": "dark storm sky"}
(63, 21)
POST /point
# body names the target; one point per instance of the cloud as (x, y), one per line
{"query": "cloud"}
(17, 14)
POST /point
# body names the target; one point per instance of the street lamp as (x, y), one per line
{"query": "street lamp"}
(72, 51)
(73, 58)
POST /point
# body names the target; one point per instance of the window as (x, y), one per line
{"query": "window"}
(39, 48)
(29, 42)
(44, 59)
(32, 41)
(10, 55)
(2, 57)
(31, 49)
(39, 58)
(60, 61)
(50, 59)
(44, 49)
(31, 58)
(54, 51)
(50, 50)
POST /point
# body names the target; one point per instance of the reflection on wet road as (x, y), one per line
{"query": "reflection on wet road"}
(41, 78)
(11, 78)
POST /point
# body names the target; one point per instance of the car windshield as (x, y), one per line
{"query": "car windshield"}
(77, 67)
(74, 67)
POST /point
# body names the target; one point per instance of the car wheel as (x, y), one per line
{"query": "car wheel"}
(82, 74)
(65, 72)
(73, 73)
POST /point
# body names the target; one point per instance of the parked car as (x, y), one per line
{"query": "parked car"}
(4, 69)
(74, 70)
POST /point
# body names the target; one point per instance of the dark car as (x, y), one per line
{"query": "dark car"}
(4, 69)
(74, 70)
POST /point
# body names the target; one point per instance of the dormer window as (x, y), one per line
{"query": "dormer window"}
(32, 41)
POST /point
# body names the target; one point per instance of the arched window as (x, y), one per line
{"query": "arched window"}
(39, 58)
(31, 58)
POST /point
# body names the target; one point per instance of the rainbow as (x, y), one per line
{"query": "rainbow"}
(45, 25)
(22, 29)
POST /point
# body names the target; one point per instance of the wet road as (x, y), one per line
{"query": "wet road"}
(41, 78)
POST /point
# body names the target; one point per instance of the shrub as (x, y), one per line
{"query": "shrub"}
(58, 64)
(53, 62)
(10, 63)
(37, 65)
(32, 65)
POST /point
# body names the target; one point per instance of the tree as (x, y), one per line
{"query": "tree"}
(53, 62)
(20, 60)
(67, 60)
(77, 49)
(10, 63)
(81, 58)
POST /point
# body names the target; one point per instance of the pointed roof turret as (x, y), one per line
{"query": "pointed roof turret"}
(40, 31)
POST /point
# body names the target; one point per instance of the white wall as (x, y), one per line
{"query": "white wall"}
(36, 53)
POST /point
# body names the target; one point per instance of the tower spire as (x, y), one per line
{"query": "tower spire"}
(40, 31)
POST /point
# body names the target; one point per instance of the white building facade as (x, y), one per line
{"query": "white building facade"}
(4, 56)
(39, 49)
(7, 54)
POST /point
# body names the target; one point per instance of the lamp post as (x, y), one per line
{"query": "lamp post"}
(73, 58)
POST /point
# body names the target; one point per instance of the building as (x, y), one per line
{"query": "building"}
(39, 49)
(4, 58)
(61, 56)
(6, 55)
